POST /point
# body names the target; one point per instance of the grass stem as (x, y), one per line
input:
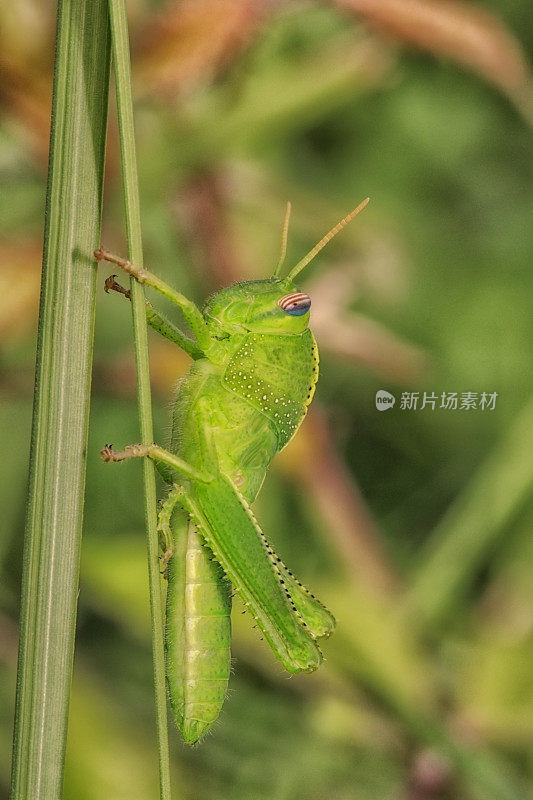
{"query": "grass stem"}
(121, 60)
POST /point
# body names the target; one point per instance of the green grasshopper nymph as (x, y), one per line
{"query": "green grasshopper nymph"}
(254, 371)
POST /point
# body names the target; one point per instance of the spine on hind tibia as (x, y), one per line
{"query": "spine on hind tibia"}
(198, 631)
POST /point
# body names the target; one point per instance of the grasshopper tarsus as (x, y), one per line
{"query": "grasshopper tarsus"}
(131, 451)
(112, 285)
(106, 454)
(109, 283)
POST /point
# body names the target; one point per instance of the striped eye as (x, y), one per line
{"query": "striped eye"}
(295, 304)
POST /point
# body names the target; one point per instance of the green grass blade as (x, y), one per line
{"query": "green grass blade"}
(61, 403)
(121, 57)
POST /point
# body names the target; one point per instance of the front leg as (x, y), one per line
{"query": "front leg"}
(159, 322)
(190, 311)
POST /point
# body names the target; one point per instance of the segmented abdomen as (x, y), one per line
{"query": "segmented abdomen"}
(198, 632)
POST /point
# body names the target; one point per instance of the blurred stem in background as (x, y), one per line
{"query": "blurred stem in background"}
(454, 554)
(61, 402)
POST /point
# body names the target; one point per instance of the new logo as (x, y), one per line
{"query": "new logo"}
(384, 400)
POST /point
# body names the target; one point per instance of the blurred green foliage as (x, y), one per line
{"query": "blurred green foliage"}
(426, 692)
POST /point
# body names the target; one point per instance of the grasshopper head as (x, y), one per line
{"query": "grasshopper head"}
(268, 306)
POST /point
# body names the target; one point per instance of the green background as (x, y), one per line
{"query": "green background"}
(414, 527)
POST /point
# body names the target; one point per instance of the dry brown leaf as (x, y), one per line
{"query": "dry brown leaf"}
(28, 98)
(26, 66)
(462, 31)
(202, 210)
(20, 280)
(188, 42)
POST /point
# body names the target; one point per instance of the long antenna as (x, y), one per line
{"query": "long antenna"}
(325, 239)
(284, 234)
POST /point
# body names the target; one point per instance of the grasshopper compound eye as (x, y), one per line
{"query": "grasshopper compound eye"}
(295, 304)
